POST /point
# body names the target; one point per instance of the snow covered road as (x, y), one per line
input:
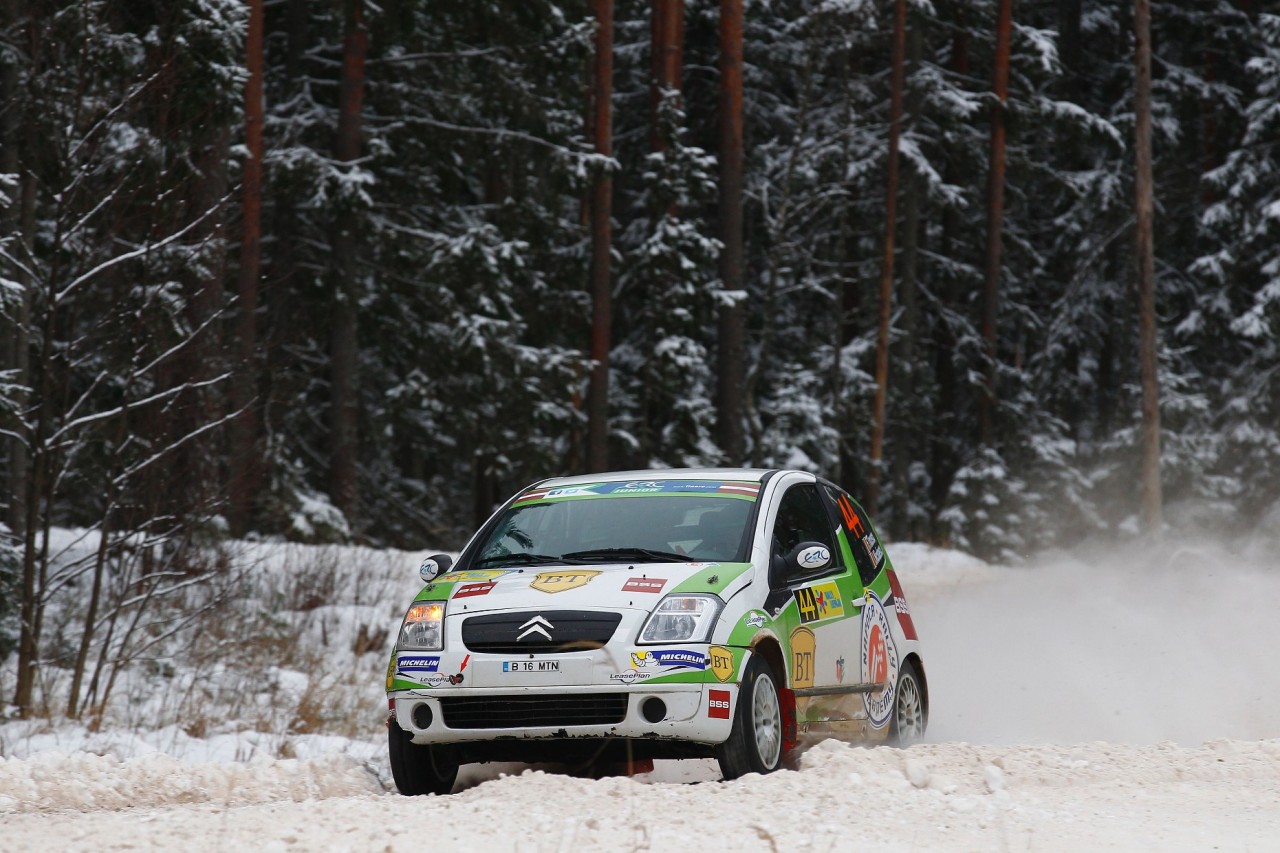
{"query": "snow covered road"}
(1224, 795)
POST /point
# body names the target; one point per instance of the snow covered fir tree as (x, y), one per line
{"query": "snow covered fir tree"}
(335, 272)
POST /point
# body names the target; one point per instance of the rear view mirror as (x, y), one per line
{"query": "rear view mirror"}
(808, 557)
(434, 566)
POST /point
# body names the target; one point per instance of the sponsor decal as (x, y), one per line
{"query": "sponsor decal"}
(696, 565)
(900, 606)
(644, 585)
(630, 676)
(562, 580)
(821, 601)
(721, 662)
(562, 492)
(531, 666)
(536, 625)
(674, 658)
(469, 589)
(569, 492)
(840, 669)
(718, 704)
(804, 646)
(874, 551)
(473, 575)
(435, 679)
(814, 558)
(879, 661)
(851, 519)
(680, 658)
(418, 663)
(756, 619)
(647, 487)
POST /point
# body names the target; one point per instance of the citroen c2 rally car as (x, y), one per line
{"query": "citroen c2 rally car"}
(655, 614)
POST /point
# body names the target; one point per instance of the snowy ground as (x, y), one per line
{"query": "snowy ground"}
(1092, 700)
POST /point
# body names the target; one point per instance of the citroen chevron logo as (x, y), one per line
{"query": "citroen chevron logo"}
(536, 624)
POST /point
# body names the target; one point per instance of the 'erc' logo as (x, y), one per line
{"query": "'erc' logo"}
(536, 625)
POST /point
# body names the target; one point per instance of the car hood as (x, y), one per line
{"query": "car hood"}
(614, 586)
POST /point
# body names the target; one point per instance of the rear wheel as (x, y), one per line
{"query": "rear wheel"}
(417, 768)
(755, 743)
(909, 712)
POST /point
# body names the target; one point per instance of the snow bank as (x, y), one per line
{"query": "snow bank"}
(53, 781)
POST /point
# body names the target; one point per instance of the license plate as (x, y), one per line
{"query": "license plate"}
(531, 672)
(531, 666)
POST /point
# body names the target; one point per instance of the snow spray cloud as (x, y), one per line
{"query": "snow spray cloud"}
(1173, 642)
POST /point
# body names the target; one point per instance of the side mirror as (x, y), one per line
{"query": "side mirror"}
(434, 566)
(808, 557)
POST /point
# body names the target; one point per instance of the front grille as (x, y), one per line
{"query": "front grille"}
(539, 631)
(506, 712)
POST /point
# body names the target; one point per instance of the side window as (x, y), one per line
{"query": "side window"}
(867, 552)
(802, 518)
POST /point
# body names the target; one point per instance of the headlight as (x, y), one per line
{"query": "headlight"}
(682, 619)
(423, 628)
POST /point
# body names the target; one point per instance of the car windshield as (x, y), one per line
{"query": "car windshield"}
(674, 520)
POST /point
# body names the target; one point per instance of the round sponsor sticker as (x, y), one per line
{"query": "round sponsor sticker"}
(879, 661)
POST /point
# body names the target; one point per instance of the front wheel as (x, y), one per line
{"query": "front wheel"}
(419, 769)
(755, 742)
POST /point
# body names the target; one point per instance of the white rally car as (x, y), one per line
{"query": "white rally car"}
(733, 613)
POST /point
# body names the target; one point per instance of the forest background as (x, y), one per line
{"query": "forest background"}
(357, 270)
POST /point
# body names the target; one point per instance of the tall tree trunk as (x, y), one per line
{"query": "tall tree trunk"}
(14, 327)
(344, 351)
(601, 236)
(995, 225)
(201, 492)
(944, 458)
(1070, 48)
(666, 55)
(1151, 492)
(35, 454)
(245, 467)
(731, 367)
(886, 259)
(906, 448)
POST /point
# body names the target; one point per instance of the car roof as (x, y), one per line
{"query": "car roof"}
(752, 475)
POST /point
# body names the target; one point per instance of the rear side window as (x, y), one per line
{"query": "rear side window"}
(867, 551)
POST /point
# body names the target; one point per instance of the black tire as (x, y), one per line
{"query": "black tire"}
(910, 711)
(755, 742)
(419, 769)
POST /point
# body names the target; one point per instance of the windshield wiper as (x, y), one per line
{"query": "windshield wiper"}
(633, 554)
(518, 557)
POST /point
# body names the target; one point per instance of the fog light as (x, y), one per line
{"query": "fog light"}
(653, 709)
(422, 716)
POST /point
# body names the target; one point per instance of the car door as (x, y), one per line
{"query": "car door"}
(824, 634)
(878, 657)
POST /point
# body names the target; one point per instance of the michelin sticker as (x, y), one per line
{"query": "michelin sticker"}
(418, 664)
(879, 661)
(674, 658)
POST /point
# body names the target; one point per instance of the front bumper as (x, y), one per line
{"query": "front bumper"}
(697, 713)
